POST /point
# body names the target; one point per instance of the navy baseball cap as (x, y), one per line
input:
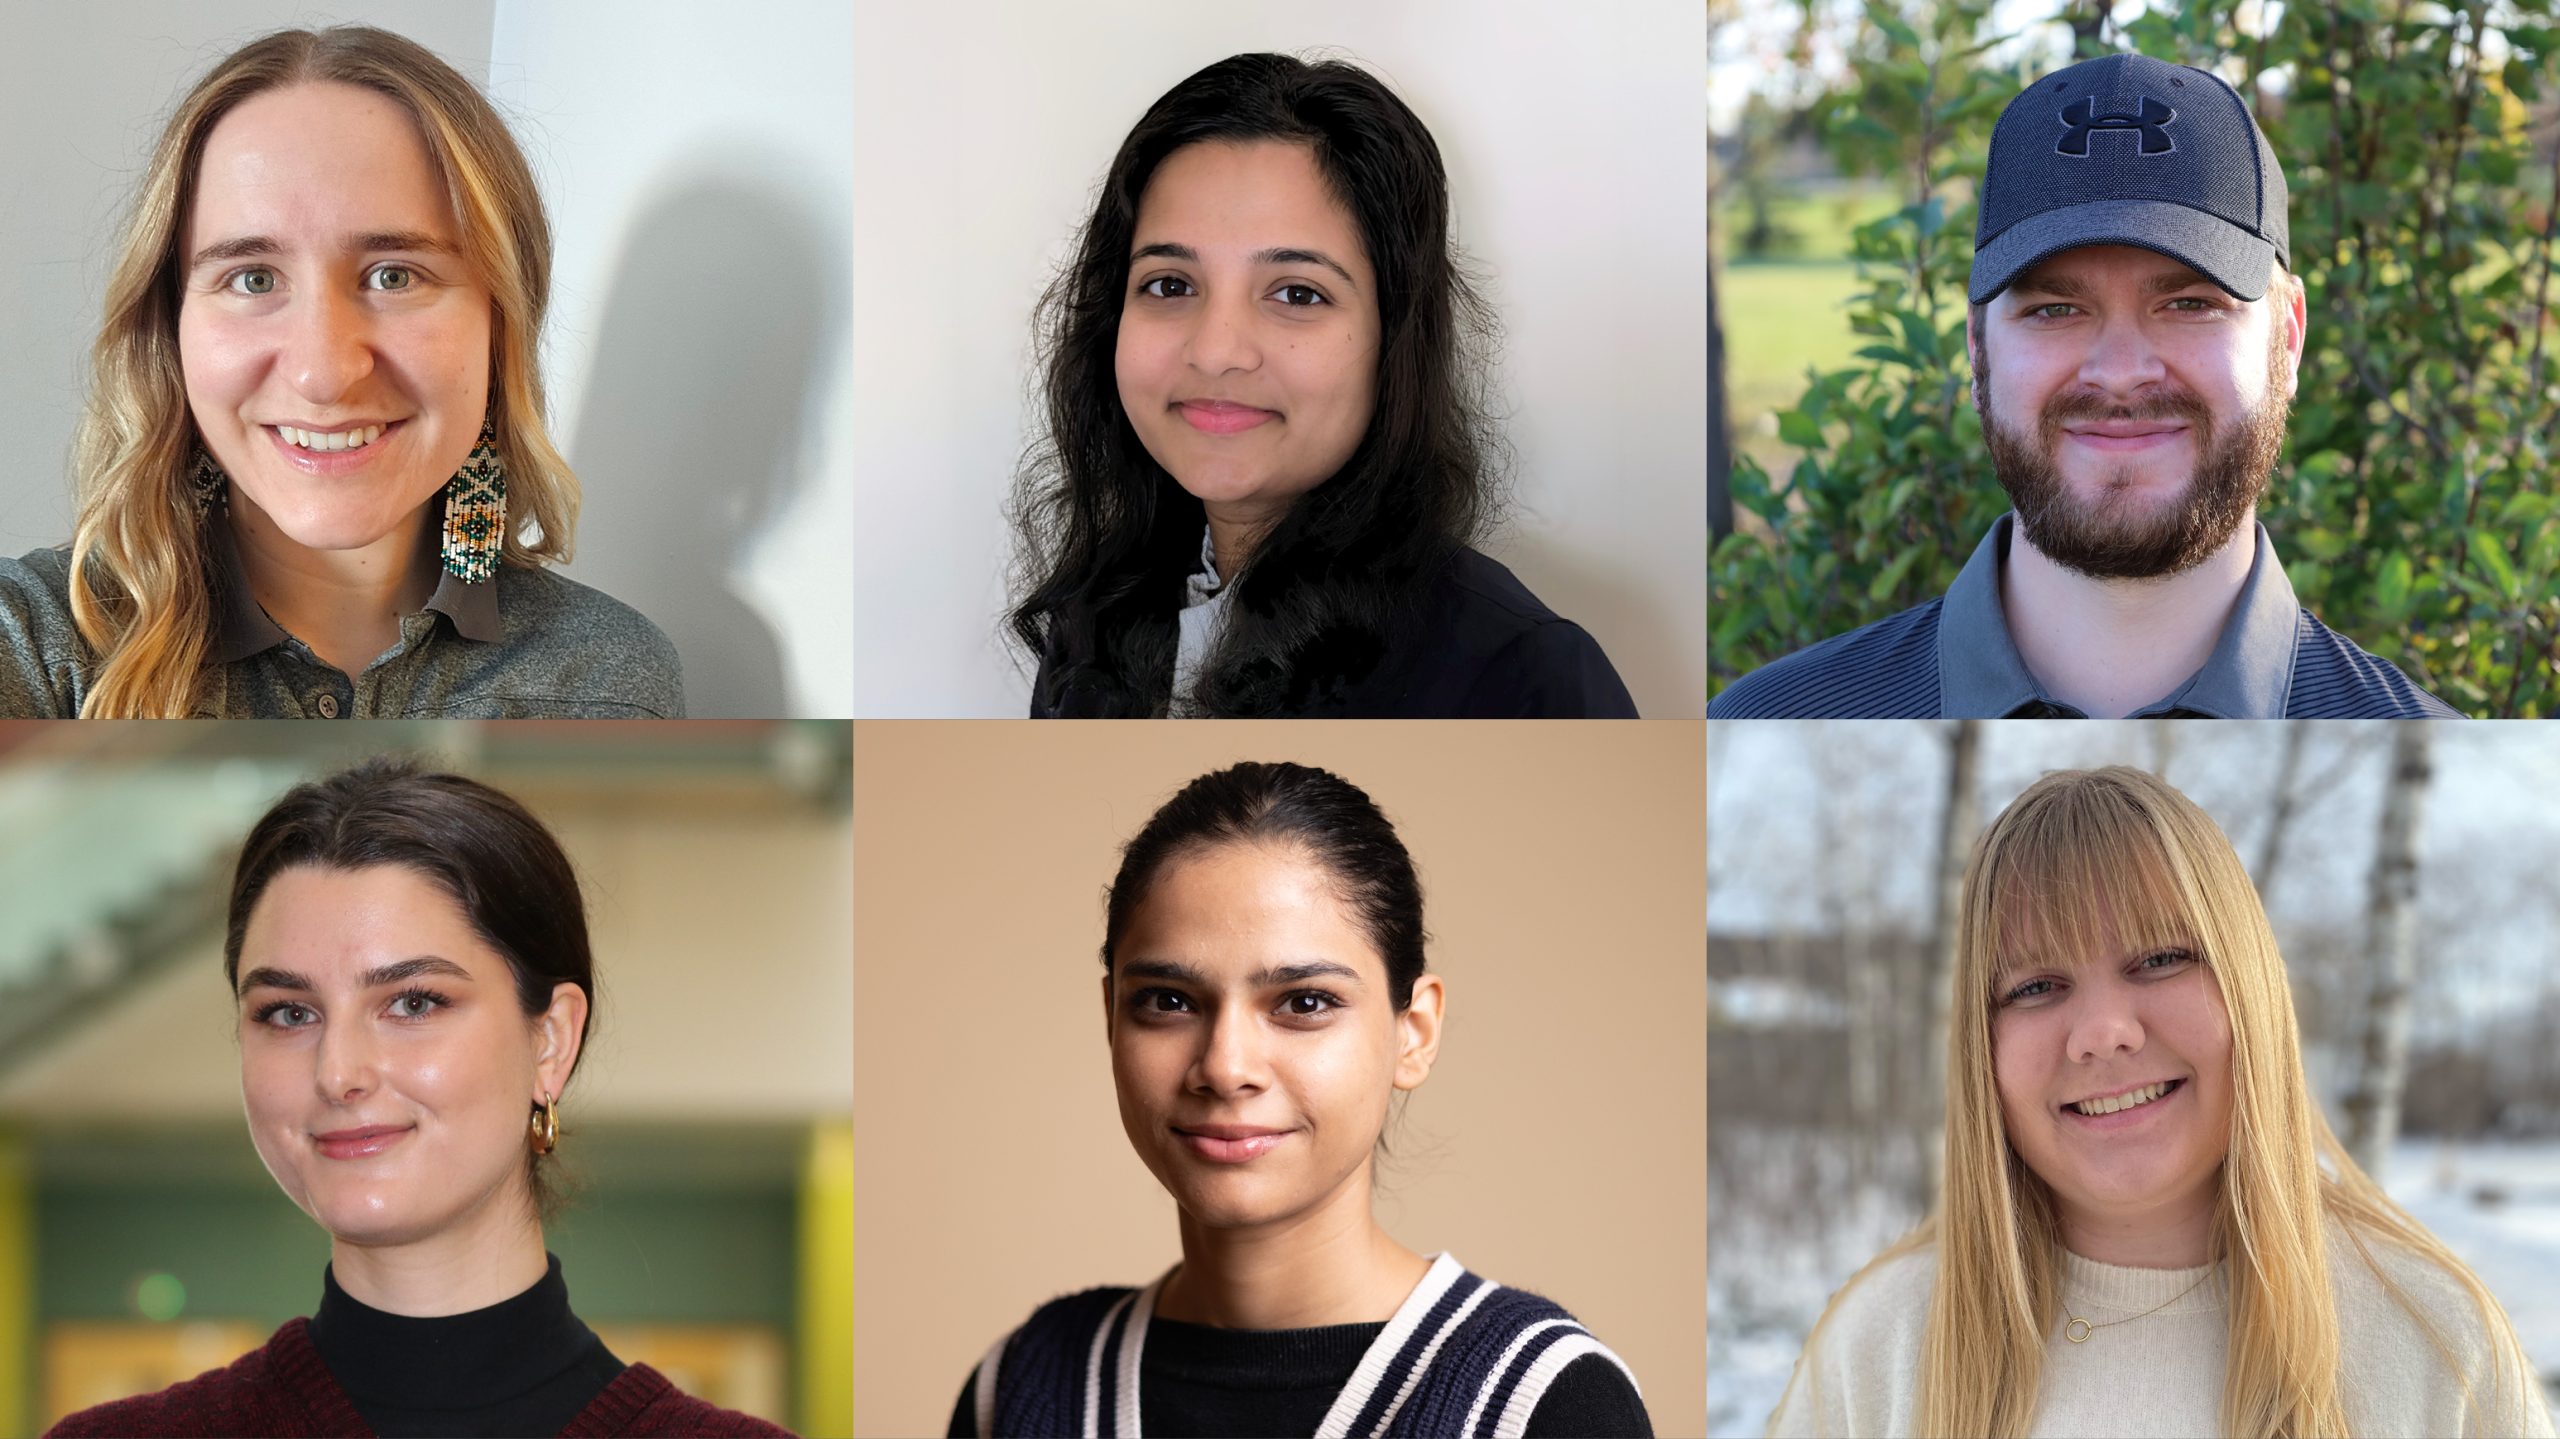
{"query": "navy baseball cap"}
(2128, 150)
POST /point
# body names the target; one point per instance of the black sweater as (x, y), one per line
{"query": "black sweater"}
(1209, 1383)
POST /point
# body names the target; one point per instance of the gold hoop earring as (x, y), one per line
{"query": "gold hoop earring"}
(544, 1128)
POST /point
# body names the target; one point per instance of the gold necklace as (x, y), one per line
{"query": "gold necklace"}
(2086, 1328)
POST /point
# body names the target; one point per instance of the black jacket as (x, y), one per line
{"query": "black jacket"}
(1481, 647)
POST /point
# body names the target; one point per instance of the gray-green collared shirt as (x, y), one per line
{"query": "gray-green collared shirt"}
(526, 644)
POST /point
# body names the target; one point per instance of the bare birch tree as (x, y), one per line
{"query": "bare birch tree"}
(2391, 945)
(1959, 818)
(2288, 800)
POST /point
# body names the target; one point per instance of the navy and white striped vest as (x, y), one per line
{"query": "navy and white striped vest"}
(1462, 1356)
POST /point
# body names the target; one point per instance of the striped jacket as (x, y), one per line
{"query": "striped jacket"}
(1462, 1356)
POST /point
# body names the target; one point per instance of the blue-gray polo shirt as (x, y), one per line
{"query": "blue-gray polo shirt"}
(1952, 657)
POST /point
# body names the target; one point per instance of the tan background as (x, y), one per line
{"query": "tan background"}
(1560, 1144)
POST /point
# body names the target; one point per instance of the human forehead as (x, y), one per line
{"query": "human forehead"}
(2092, 269)
(1247, 196)
(330, 924)
(1231, 910)
(316, 163)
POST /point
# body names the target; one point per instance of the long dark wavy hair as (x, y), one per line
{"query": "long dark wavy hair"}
(1105, 536)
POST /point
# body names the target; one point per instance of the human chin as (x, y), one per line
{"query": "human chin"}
(347, 513)
(2134, 1158)
(1226, 1193)
(361, 1191)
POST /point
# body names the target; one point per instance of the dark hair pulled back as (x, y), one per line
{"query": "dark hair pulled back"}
(1328, 817)
(1105, 536)
(498, 864)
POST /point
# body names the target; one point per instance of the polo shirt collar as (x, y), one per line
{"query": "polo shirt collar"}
(246, 629)
(2248, 676)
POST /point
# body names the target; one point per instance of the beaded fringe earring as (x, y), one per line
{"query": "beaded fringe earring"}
(212, 489)
(475, 512)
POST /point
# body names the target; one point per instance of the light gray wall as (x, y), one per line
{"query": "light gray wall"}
(698, 162)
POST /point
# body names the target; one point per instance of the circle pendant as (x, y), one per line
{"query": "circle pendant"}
(2077, 1331)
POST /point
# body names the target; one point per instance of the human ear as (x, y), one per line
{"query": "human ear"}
(1418, 1032)
(1973, 338)
(2297, 322)
(558, 1031)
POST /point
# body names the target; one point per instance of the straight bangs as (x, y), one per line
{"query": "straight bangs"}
(2083, 888)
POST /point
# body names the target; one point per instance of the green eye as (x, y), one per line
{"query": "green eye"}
(254, 282)
(394, 277)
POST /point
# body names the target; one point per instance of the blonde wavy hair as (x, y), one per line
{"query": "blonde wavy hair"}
(141, 566)
(2093, 863)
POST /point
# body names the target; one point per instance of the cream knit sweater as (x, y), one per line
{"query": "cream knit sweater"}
(2162, 1374)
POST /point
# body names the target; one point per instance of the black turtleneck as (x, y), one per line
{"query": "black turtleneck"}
(522, 1366)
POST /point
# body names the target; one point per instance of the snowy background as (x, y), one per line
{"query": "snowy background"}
(1823, 842)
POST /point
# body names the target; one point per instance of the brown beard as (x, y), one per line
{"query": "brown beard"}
(2104, 539)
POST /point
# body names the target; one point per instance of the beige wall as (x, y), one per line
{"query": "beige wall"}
(1560, 1144)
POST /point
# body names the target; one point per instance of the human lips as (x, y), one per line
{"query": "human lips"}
(361, 1142)
(1229, 1143)
(2123, 1106)
(1223, 417)
(332, 450)
(2120, 436)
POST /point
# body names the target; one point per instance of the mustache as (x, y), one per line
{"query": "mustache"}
(2173, 403)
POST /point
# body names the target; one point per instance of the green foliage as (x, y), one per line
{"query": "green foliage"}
(2414, 504)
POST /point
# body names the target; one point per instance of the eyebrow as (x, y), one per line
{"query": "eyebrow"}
(1283, 255)
(1264, 978)
(2071, 287)
(398, 972)
(248, 247)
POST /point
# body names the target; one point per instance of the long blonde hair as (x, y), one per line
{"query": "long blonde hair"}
(2110, 861)
(141, 563)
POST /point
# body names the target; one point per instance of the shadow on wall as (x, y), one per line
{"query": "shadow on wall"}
(699, 426)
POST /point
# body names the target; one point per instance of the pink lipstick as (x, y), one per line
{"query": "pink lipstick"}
(1223, 417)
(360, 1143)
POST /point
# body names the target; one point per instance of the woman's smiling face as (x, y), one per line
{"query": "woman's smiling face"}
(386, 1065)
(334, 337)
(1249, 329)
(1254, 1042)
(2141, 1035)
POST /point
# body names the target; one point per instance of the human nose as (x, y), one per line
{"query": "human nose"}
(1230, 1061)
(2122, 360)
(2104, 1023)
(347, 1065)
(329, 347)
(1223, 336)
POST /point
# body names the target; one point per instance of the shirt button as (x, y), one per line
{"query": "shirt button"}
(327, 705)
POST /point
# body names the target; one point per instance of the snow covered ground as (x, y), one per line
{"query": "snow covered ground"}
(2496, 1205)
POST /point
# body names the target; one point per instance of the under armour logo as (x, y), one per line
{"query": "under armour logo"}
(2154, 122)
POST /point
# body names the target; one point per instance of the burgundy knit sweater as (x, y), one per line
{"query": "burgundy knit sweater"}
(285, 1392)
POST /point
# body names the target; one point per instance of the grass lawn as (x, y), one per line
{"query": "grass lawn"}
(1782, 315)
(1779, 319)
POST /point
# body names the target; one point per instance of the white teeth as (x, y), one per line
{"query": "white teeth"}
(355, 439)
(2131, 1100)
